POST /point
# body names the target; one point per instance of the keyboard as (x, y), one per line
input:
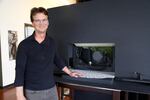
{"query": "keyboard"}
(94, 74)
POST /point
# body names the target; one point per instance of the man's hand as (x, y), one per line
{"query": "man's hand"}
(21, 98)
(70, 73)
(75, 74)
(20, 93)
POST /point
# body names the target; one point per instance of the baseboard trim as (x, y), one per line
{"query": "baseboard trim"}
(7, 86)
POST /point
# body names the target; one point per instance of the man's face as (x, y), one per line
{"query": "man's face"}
(40, 23)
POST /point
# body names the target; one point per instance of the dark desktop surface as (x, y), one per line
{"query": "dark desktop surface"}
(135, 80)
(112, 84)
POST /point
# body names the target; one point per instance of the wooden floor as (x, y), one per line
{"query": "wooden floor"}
(8, 93)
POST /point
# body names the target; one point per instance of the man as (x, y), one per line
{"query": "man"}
(34, 62)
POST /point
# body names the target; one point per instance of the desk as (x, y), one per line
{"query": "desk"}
(120, 90)
(65, 83)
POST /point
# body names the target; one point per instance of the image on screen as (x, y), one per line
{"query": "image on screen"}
(96, 56)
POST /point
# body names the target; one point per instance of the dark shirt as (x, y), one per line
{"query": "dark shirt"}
(35, 63)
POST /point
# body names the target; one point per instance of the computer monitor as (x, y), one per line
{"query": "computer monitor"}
(93, 56)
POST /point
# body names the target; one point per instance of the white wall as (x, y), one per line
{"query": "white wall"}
(14, 13)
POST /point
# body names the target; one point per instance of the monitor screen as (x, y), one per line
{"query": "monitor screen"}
(94, 56)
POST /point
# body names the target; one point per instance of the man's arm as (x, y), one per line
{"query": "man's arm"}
(20, 69)
(70, 73)
(20, 93)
